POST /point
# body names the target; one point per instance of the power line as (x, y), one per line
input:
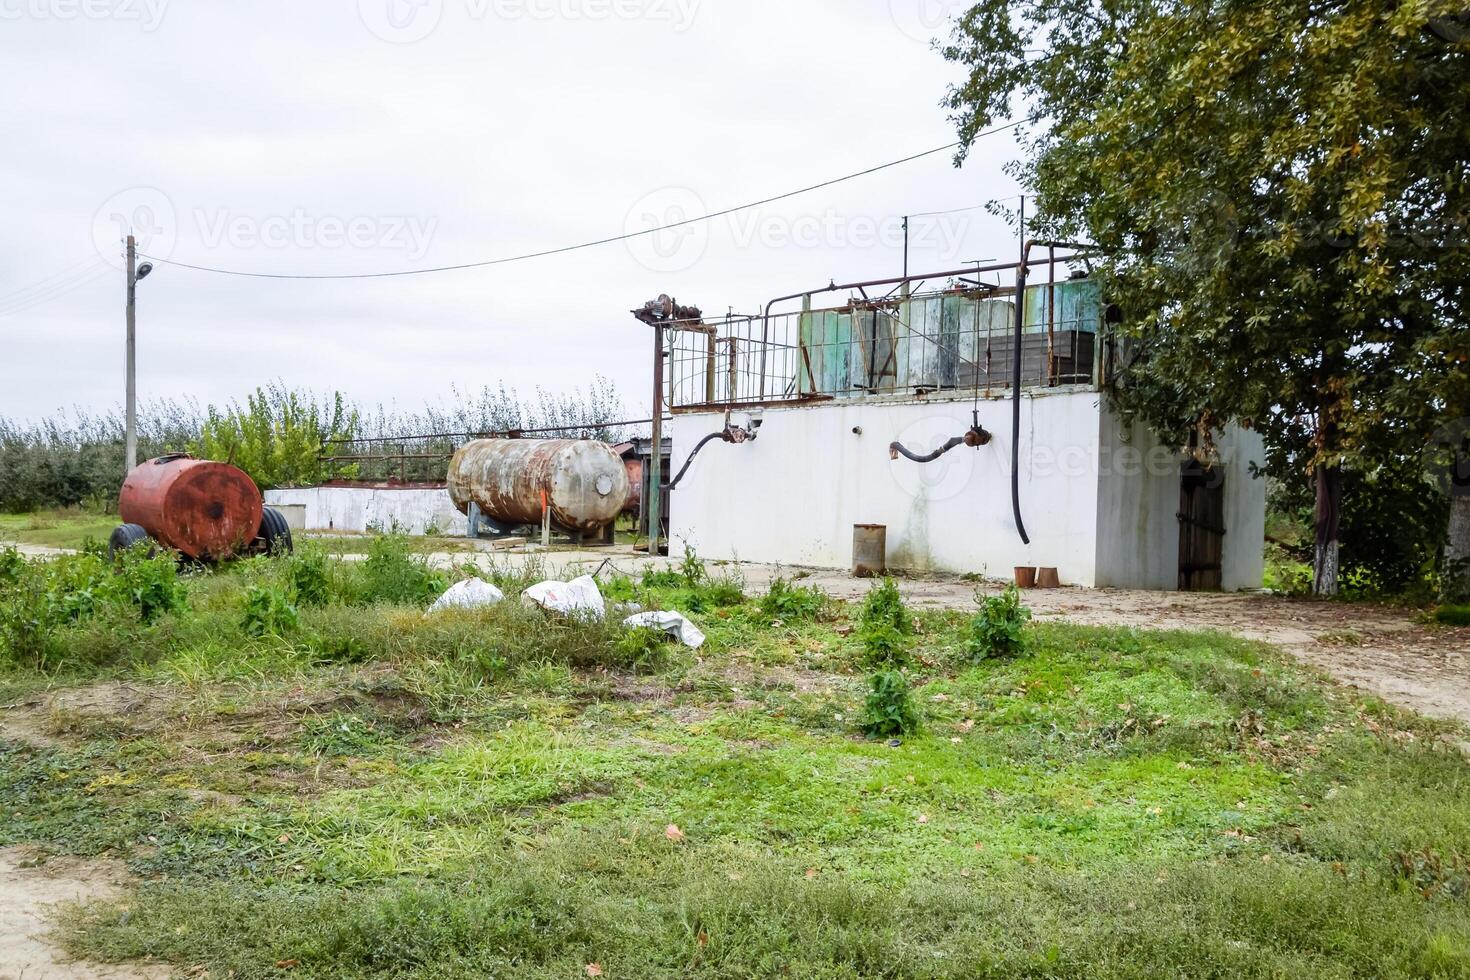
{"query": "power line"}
(582, 245)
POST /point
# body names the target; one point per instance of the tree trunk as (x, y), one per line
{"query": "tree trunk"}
(1328, 519)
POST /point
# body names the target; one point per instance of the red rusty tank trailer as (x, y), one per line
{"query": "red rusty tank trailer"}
(202, 509)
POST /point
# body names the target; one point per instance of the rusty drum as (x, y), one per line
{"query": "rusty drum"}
(582, 482)
(869, 550)
(200, 508)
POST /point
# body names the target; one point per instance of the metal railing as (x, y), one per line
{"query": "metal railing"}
(959, 338)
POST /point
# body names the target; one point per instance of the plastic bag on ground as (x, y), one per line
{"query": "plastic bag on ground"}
(673, 623)
(472, 593)
(579, 597)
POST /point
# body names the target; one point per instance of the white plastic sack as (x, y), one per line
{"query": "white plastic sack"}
(472, 593)
(672, 623)
(579, 597)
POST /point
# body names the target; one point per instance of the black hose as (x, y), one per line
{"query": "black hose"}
(697, 447)
(897, 447)
(1016, 401)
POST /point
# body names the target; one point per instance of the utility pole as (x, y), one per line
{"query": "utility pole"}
(132, 384)
(136, 273)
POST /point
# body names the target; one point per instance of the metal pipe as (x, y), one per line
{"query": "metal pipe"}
(896, 449)
(1016, 383)
(697, 447)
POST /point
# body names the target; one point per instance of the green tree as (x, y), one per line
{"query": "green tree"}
(1281, 188)
(278, 435)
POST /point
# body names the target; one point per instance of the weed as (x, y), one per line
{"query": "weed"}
(267, 612)
(691, 569)
(393, 573)
(1453, 615)
(789, 603)
(151, 582)
(998, 629)
(310, 581)
(642, 647)
(889, 709)
(884, 626)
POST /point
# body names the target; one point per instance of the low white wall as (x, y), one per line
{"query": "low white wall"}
(794, 494)
(359, 508)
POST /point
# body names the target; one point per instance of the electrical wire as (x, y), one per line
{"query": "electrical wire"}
(583, 245)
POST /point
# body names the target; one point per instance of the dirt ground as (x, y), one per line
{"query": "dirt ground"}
(28, 890)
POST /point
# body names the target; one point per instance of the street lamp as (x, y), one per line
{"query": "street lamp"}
(135, 273)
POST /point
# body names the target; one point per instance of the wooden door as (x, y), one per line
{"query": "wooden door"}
(1201, 527)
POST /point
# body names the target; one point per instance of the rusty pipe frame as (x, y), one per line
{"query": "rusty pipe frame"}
(975, 437)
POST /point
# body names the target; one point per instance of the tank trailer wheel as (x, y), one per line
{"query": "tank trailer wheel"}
(128, 536)
(275, 532)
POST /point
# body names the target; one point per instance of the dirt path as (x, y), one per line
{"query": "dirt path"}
(27, 891)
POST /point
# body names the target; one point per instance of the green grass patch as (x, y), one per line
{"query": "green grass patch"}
(373, 792)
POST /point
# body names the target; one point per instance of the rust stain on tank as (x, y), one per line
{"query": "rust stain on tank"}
(198, 507)
(583, 483)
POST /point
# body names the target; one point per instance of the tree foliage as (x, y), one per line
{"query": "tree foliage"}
(1282, 191)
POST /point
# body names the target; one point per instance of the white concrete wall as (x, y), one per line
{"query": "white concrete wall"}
(1100, 504)
(1245, 509)
(358, 508)
(794, 494)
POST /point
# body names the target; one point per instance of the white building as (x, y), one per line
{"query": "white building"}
(1106, 504)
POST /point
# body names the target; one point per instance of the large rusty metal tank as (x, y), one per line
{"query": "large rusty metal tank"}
(582, 482)
(200, 508)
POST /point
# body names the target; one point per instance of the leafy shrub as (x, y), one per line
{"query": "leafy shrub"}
(997, 630)
(889, 709)
(393, 573)
(792, 602)
(884, 626)
(150, 582)
(267, 612)
(311, 585)
(691, 569)
(1453, 615)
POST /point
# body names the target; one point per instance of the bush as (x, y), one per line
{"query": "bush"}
(884, 626)
(267, 612)
(393, 573)
(792, 602)
(311, 584)
(1453, 615)
(997, 630)
(150, 582)
(889, 709)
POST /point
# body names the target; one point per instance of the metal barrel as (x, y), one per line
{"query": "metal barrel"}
(869, 550)
(582, 482)
(198, 507)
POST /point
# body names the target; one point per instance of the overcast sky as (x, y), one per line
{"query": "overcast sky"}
(380, 135)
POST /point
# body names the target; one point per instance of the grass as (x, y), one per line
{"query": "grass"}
(374, 793)
(67, 528)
